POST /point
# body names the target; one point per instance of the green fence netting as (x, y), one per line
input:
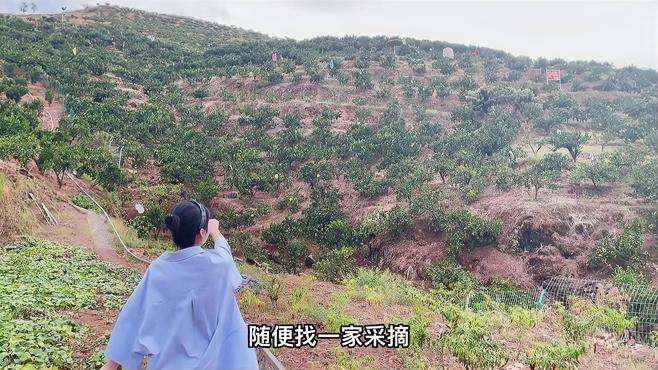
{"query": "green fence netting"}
(638, 301)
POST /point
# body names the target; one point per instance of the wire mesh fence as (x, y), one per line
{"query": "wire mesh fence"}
(639, 302)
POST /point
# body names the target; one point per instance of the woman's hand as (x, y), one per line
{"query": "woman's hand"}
(213, 229)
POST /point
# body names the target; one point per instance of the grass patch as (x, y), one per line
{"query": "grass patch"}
(153, 247)
(382, 287)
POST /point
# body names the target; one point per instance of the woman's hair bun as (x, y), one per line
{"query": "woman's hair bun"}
(172, 222)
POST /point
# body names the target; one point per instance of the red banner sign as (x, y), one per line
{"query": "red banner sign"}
(553, 75)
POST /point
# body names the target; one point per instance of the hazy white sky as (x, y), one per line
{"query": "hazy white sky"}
(621, 32)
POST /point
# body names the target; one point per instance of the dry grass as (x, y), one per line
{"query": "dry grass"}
(151, 247)
(19, 213)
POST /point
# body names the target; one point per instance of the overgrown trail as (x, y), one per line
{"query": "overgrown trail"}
(103, 241)
(78, 226)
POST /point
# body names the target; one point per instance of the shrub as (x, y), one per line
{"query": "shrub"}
(465, 230)
(324, 208)
(15, 92)
(388, 61)
(585, 318)
(150, 222)
(449, 274)
(644, 181)
(249, 300)
(446, 66)
(362, 80)
(342, 77)
(317, 171)
(623, 250)
(381, 286)
(491, 68)
(84, 202)
(398, 221)
(259, 117)
(525, 318)
(200, 94)
(408, 87)
(205, 190)
(441, 87)
(338, 233)
(383, 93)
(467, 337)
(315, 75)
(280, 233)
(335, 319)
(50, 96)
(290, 202)
(293, 120)
(628, 276)
(274, 77)
(362, 61)
(544, 356)
(301, 303)
(419, 325)
(514, 76)
(424, 92)
(291, 254)
(336, 265)
(249, 248)
(273, 287)
(231, 219)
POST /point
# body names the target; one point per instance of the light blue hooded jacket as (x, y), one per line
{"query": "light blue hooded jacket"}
(184, 315)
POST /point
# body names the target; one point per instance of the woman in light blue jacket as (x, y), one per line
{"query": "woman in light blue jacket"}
(183, 314)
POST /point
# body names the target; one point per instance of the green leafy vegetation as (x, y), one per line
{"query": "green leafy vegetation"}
(554, 356)
(625, 249)
(39, 282)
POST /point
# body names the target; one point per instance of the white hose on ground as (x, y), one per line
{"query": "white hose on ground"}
(109, 220)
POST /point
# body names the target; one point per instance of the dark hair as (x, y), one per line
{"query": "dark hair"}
(184, 222)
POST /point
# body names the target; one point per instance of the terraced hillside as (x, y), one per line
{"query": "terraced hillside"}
(465, 175)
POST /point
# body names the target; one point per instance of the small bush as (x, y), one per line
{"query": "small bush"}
(279, 233)
(302, 304)
(525, 318)
(231, 219)
(467, 337)
(623, 250)
(249, 301)
(466, 230)
(273, 287)
(248, 247)
(274, 77)
(450, 274)
(585, 318)
(83, 201)
(335, 265)
(291, 254)
(544, 356)
(644, 180)
(200, 94)
(398, 221)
